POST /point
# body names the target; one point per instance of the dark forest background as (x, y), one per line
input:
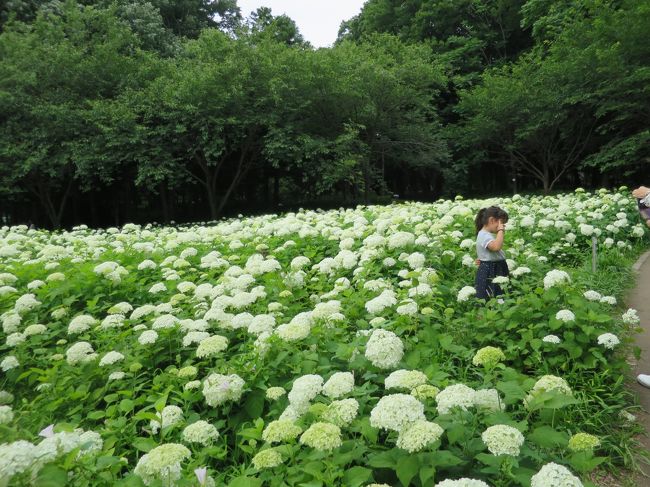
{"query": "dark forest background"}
(189, 110)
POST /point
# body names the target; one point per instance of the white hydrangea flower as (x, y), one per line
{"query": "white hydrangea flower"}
(110, 358)
(25, 303)
(170, 416)
(565, 315)
(211, 346)
(555, 278)
(162, 463)
(465, 293)
(608, 340)
(488, 399)
(80, 353)
(384, 349)
(339, 384)
(117, 375)
(464, 482)
(630, 317)
(36, 329)
(520, 271)
(457, 395)
(417, 436)
(611, 300)
(548, 383)
(218, 388)
(405, 379)
(280, 430)
(551, 339)
(502, 439)
(165, 321)
(341, 413)
(15, 339)
(16, 458)
(396, 411)
(200, 432)
(148, 337)
(305, 388)
(592, 295)
(6, 415)
(555, 475)
(10, 322)
(380, 303)
(192, 337)
(275, 393)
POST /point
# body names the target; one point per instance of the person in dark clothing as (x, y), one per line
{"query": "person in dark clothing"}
(490, 228)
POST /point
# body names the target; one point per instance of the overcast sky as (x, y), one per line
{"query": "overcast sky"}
(318, 20)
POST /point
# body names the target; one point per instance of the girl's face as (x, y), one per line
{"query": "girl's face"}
(492, 224)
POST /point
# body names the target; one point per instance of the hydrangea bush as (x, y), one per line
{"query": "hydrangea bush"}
(317, 348)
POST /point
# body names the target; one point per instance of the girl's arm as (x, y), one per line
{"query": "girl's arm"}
(496, 244)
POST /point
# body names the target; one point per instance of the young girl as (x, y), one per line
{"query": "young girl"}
(490, 228)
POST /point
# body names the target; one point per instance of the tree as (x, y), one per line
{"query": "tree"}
(527, 117)
(264, 25)
(50, 72)
(202, 119)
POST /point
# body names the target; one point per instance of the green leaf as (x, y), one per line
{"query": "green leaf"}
(444, 458)
(315, 469)
(368, 432)
(512, 390)
(381, 460)
(130, 480)
(126, 405)
(426, 474)
(51, 476)
(107, 461)
(254, 404)
(585, 461)
(96, 415)
(144, 444)
(547, 437)
(245, 482)
(356, 476)
(407, 468)
(551, 400)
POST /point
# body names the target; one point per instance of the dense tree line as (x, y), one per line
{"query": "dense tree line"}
(115, 111)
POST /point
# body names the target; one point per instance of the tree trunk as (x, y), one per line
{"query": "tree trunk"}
(276, 190)
(366, 181)
(212, 201)
(164, 202)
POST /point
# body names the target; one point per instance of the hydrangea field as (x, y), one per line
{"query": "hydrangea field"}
(319, 348)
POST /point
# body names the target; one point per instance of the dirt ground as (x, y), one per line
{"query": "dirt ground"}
(639, 299)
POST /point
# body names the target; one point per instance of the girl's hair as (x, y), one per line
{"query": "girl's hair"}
(485, 214)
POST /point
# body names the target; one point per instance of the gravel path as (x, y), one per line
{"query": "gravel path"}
(639, 299)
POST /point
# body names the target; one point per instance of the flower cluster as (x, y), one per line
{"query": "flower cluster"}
(418, 435)
(502, 439)
(395, 411)
(554, 475)
(322, 436)
(608, 340)
(384, 349)
(163, 463)
(339, 384)
(405, 379)
(583, 442)
(218, 388)
(457, 395)
(488, 357)
(555, 278)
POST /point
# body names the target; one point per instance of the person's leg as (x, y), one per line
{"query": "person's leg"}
(481, 282)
